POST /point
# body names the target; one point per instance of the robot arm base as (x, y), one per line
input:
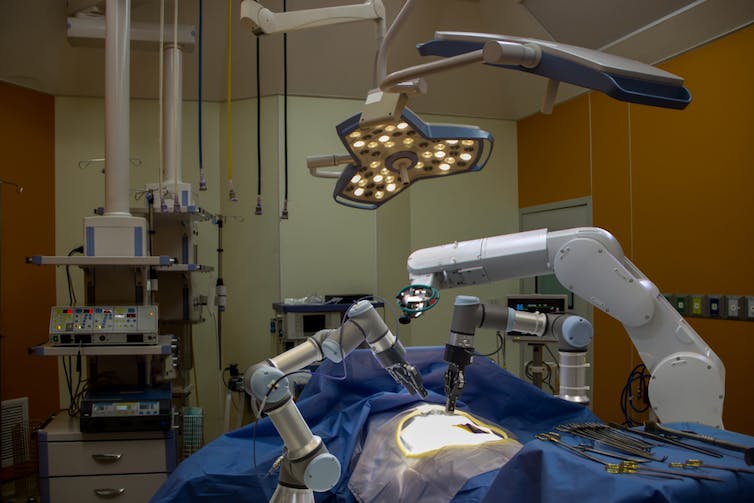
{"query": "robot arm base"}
(688, 387)
(318, 470)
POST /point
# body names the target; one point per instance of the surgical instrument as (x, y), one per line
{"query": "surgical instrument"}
(614, 468)
(628, 467)
(677, 443)
(748, 451)
(698, 463)
(611, 438)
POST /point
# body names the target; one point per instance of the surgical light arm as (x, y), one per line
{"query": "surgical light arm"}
(263, 21)
(307, 465)
(620, 78)
(688, 378)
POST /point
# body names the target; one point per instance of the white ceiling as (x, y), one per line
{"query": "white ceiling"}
(336, 61)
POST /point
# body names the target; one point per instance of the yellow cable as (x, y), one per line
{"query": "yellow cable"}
(176, 103)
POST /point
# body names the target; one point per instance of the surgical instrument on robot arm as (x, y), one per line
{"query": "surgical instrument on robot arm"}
(307, 465)
(688, 378)
(573, 333)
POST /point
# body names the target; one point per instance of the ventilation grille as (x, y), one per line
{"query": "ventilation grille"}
(15, 432)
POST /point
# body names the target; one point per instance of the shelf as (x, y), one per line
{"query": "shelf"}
(128, 261)
(195, 212)
(163, 348)
(185, 268)
(316, 308)
(160, 262)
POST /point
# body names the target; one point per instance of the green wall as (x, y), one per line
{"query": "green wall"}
(323, 248)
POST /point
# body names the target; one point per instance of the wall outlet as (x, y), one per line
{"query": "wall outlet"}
(748, 313)
(732, 306)
(696, 305)
(715, 305)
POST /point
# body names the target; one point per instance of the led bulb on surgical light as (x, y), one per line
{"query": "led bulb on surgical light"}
(385, 151)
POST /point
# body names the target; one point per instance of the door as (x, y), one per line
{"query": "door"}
(555, 216)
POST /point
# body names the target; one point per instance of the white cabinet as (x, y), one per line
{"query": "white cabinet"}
(77, 467)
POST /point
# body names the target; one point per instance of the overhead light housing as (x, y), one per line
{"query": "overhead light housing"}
(391, 154)
(618, 77)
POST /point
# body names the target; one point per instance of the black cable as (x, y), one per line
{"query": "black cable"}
(259, 123)
(500, 344)
(71, 293)
(285, 108)
(638, 376)
(557, 365)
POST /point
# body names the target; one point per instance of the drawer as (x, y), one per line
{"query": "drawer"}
(106, 457)
(102, 489)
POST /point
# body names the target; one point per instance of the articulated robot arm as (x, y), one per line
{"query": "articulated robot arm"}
(688, 378)
(572, 333)
(307, 465)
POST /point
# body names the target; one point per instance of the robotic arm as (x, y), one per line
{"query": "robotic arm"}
(688, 378)
(573, 334)
(307, 465)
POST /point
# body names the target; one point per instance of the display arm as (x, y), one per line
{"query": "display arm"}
(688, 378)
(263, 21)
(307, 465)
(572, 332)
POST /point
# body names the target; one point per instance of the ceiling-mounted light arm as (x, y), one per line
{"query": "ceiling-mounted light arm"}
(318, 163)
(262, 21)
(380, 70)
(493, 52)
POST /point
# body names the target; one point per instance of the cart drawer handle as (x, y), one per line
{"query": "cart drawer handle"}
(107, 458)
(110, 493)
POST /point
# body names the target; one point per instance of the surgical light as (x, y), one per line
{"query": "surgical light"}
(620, 78)
(389, 155)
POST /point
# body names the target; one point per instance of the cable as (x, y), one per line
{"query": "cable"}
(258, 209)
(231, 190)
(284, 214)
(174, 118)
(392, 308)
(74, 395)
(546, 380)
(500, 344)
(202, 177)
(160, 139)
(72, 301)
(639, 376)
(557, 365)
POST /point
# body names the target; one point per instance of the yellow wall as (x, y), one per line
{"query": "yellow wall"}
(675, 189)
(28, 228)
(553, 155)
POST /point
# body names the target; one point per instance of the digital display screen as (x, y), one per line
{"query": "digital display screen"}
(313, 323)
(537, 304)
(543, 305)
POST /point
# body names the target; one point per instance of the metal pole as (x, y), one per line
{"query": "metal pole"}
(172, 112)
(117, 118)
